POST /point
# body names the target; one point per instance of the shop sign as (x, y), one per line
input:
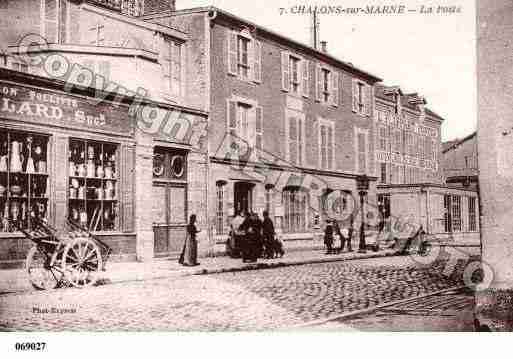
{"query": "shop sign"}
(55, 109)
(401, 123)
(398, 159)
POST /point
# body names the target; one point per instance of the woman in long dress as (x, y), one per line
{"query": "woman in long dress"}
(189, 255)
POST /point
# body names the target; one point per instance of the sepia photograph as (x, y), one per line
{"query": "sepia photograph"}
(219, 166)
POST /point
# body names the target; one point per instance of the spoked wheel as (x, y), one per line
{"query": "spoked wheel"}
(81, 262)
(43, 273)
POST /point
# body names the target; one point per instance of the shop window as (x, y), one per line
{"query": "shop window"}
(24, 191)
(295, 202)
(472, 216)
(452, 217)
(220, 207)
(383, 177)
(94, 184)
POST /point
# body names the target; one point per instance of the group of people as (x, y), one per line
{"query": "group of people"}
(333, 230)
(252, 238)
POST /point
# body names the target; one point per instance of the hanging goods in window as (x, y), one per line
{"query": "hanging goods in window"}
(16, 156)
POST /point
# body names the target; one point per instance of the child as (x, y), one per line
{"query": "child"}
(328, 237)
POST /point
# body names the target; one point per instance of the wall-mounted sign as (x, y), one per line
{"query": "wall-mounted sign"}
(398, 159)
(402, 123)
(28, 104)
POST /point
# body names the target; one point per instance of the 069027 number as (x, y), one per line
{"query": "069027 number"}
(30, 346)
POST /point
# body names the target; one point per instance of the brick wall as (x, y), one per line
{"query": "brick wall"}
(151, 6)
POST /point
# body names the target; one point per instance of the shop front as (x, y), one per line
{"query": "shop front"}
(63, 156)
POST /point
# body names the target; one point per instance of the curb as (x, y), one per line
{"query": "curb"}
(233, 269)
(359, 312)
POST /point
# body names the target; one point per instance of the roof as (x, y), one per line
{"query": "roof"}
(220, 12)
(387, 92)
(453, 144)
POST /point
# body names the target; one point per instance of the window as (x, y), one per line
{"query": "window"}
(327, 90)
(172, 67)
(452, 217)
(456, 214)
(19, 66)
(361, 97)
(220, 207)
(132, 7)
(295, 206)
(295, 74)
(296, 139)
(269, 190)
(24, 181)
(4, 4)
(472, 216)
(383, 138)
(245, 122)
(54, 20)
(93, 187)
(98, 39)
(361, 151)
(383, 177)
(326, 144)
(244, 56)
(398, 141)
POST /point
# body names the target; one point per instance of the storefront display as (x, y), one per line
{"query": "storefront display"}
(93, 199)
(23, 178)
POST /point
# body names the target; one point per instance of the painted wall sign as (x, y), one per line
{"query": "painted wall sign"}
(398, 159)
(402, 123)
(22, 103)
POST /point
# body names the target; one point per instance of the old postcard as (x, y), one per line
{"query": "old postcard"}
(221, 166)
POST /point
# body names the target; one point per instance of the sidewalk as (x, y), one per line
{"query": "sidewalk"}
(16, 280)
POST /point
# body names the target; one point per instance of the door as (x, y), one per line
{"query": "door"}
(243, 197)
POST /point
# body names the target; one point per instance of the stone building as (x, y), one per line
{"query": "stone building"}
(301, 121)
(460, 162)
(113, 59)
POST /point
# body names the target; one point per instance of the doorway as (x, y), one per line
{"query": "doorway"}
(243, 197)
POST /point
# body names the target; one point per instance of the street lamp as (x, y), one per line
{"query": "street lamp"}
(362, 185)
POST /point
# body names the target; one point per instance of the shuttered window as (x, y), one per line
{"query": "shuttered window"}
(244, 56)
(327, 86)
(49, 16)
(361, 152)
(362, 98)
(172, 68)
(295, 74)
(296, 140)
(326, 144)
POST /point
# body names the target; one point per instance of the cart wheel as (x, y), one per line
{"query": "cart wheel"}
(43, 275)
(81, 262)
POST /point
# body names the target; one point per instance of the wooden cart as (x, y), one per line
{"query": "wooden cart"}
(63, 258)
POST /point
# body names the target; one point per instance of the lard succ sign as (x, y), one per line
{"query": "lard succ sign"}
(45, 107)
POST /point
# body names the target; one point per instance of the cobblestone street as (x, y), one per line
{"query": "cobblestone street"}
(250, 300)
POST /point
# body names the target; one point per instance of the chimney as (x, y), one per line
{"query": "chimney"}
(151, 6)
(324, 46)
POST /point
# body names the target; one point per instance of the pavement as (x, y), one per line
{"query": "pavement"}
(279, 298)
(16, 280)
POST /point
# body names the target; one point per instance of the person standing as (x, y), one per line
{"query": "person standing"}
(338, 232)
(246, 231)
(234, 247)
(189, 256)
(256, 238)
(268, 234)
(328, 237)
(350, 234)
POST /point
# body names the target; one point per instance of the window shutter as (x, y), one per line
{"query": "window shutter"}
(330, 146)
(63, 25)
(259, 127)
(368, 99)
(232, 53)
(128, 190)
(355, 95)
(318, 83)
(293, 136)
(335, 88)
(50, 15)
(232, 116)
(257, 68)
(285, 70)
(306, 78)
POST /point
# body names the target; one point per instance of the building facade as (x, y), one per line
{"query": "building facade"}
(290, 127)
(408, 138)
(131, 174)
(460, 162)
(288, 123)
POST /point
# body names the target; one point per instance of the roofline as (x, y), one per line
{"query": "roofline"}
(423, 185)
(465, 139)
(346, 66)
